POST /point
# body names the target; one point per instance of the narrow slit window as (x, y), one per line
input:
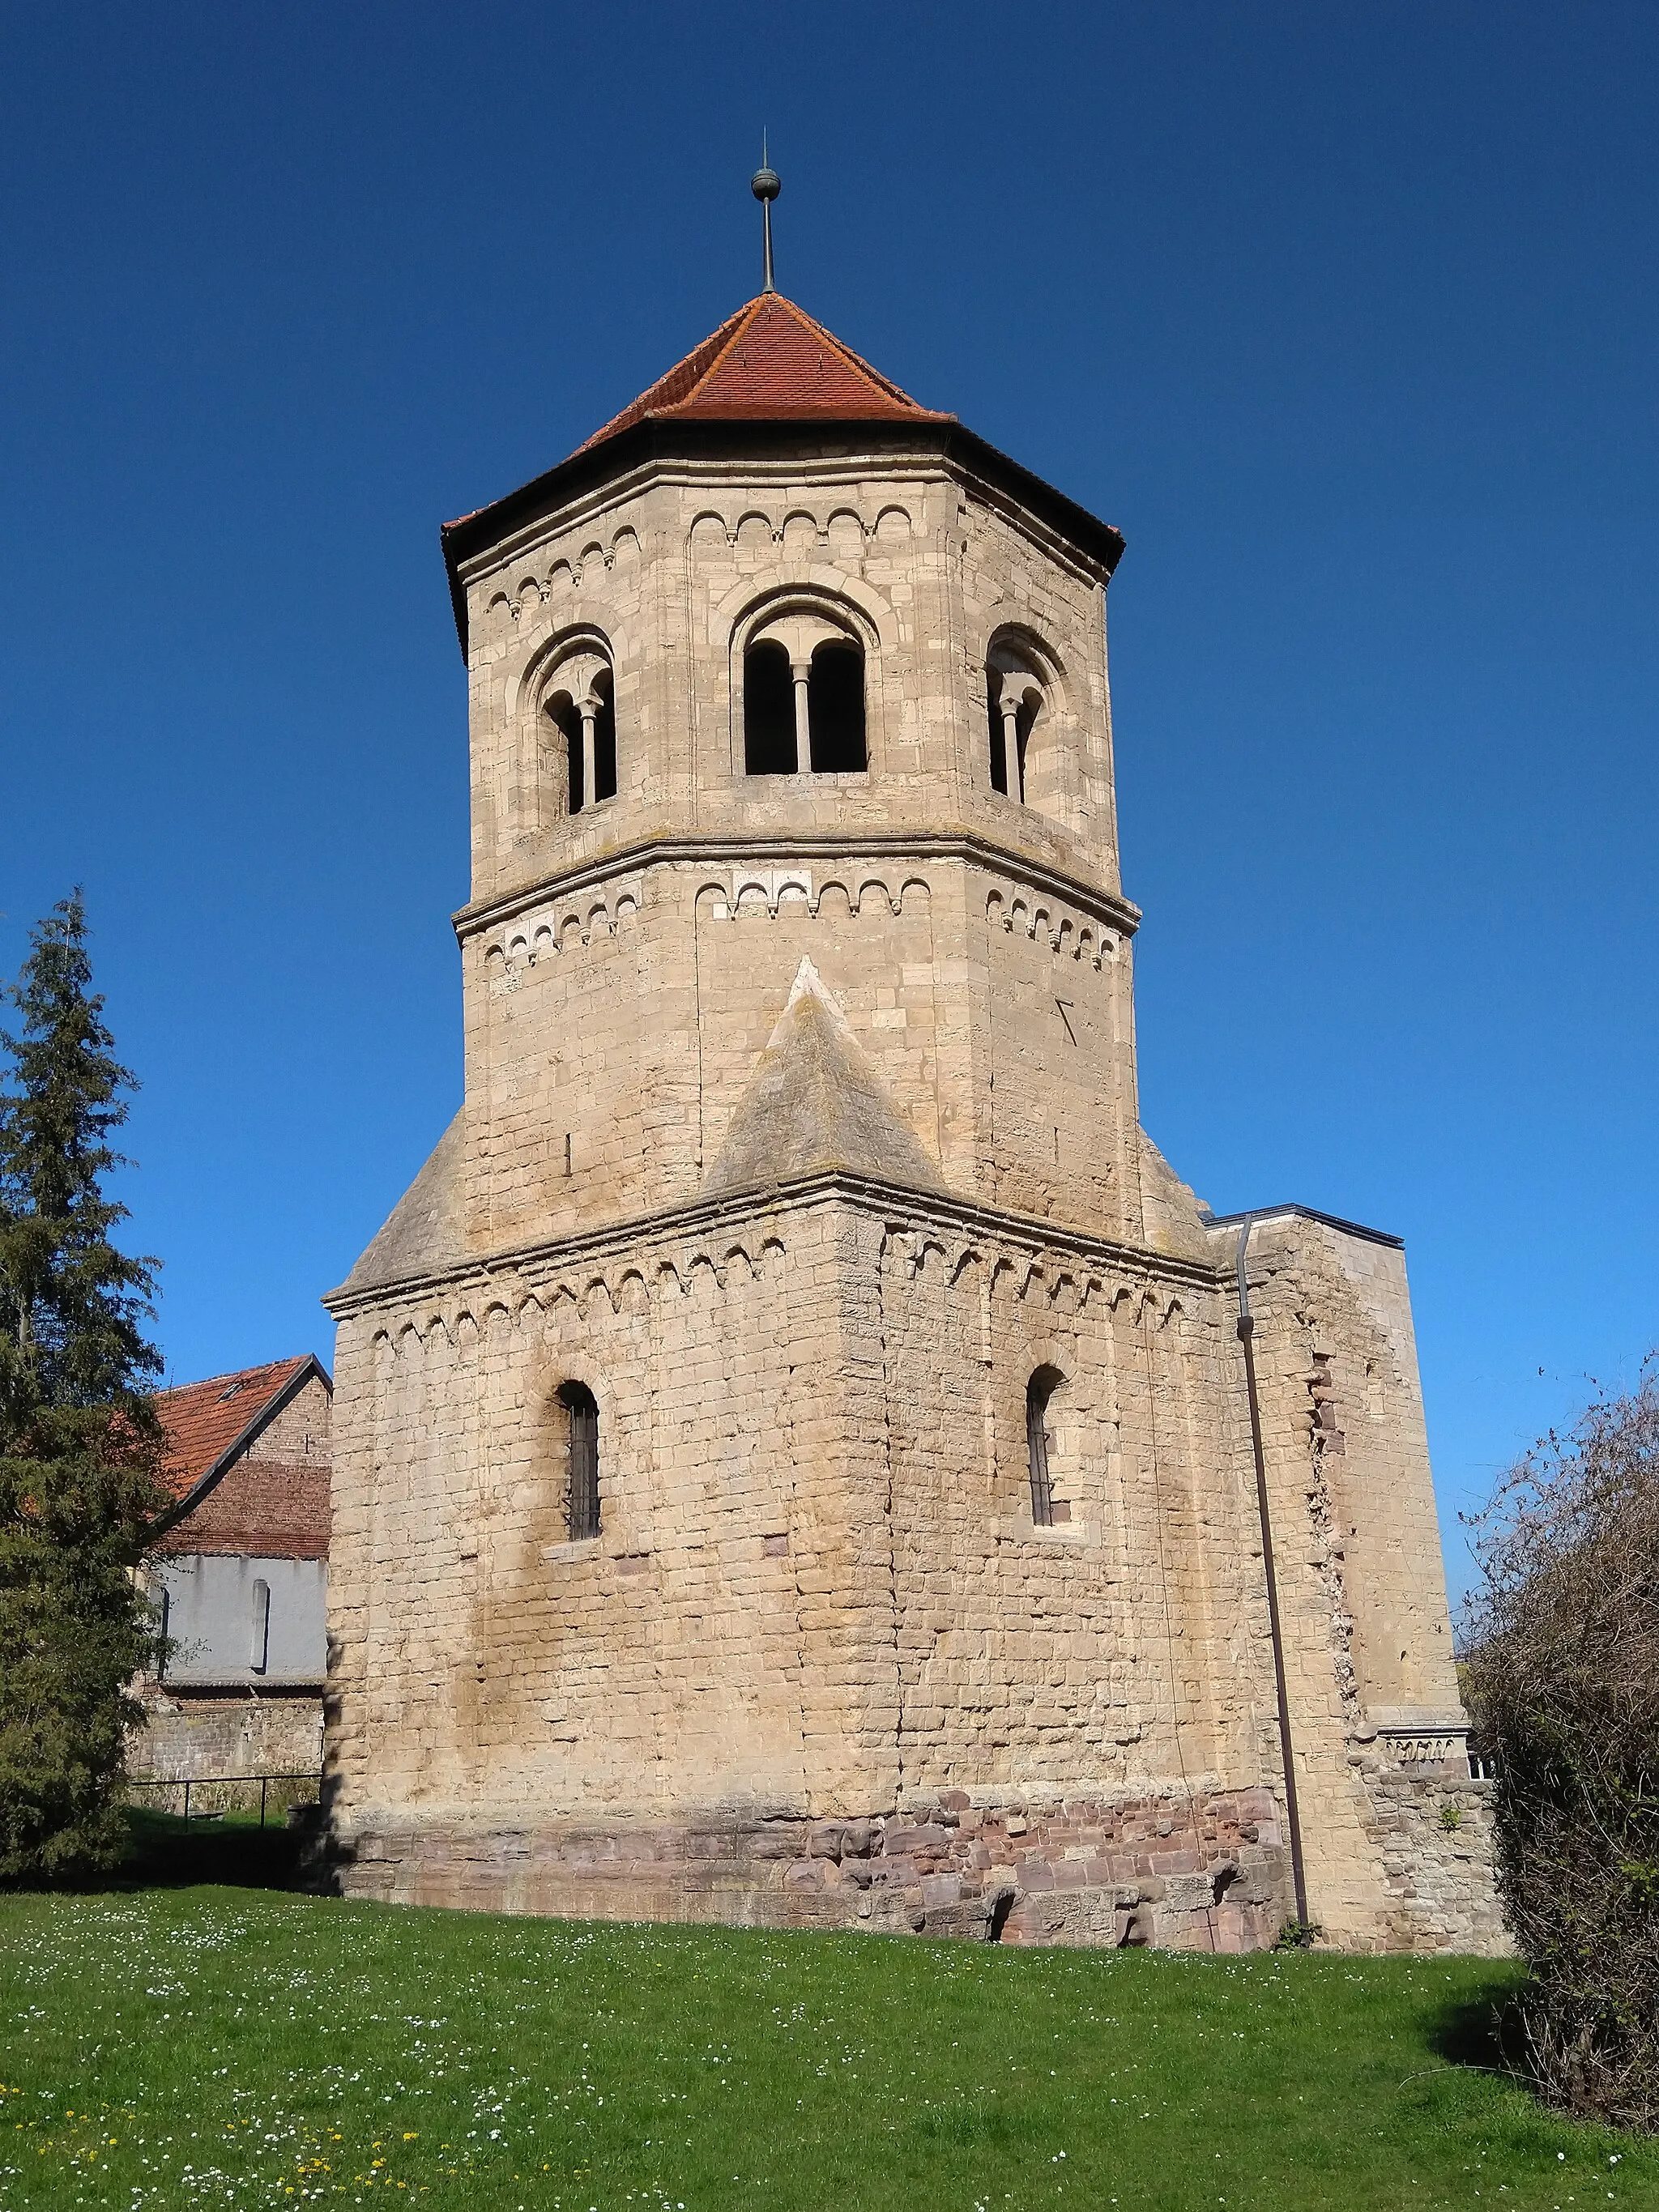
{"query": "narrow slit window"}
(1038, 1442)
(259, 1644)
(582, 1415)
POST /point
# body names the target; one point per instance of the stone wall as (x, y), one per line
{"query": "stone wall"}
(820, 1612)
(819, 1597)
(1207, 1876)
(664, 569)
(1432, 1834)
(200, 1736)
(993, 998)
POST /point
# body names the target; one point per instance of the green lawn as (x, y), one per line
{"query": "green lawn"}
(182, 2046)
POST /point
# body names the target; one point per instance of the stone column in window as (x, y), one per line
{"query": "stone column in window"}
(588, 707)
(1013, 763)
(800, 675)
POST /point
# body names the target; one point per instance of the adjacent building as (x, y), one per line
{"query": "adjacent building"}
(239, 1575)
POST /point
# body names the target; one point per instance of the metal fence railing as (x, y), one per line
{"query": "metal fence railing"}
(212, 1788)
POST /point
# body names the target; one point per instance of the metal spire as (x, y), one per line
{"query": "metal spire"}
(766, 185)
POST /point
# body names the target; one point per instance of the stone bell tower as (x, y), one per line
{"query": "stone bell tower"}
(793, 1460)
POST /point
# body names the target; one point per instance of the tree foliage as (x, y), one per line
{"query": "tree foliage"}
(1562, 1675)
(80, 1443)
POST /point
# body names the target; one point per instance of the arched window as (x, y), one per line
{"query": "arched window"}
(1014, 701)
(259, 1645)
(582, 1415)
(803, 696)
(579, 713)
(1039, 1445)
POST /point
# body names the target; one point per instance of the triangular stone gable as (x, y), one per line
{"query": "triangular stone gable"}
(770, 362)
(814, 1104)
(425, 1231)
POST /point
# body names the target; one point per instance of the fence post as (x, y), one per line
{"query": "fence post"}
(264, 1779)
(186, 1800)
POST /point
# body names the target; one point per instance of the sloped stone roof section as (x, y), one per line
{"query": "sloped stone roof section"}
(424, 1230)
(770, 362)
(1175, 1218)
(814, 1104)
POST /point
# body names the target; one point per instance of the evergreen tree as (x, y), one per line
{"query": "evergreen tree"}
(80, 1443)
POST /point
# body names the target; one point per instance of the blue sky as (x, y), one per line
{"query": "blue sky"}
(1345, 315)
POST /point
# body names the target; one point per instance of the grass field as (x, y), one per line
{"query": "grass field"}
(173, 2047)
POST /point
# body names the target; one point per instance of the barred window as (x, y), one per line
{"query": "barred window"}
(582, 1413)
(1038, 1444)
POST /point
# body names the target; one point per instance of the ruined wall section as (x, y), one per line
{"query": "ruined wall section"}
(1372, 1685)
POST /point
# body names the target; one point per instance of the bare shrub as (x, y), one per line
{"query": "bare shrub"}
(1562, 1676)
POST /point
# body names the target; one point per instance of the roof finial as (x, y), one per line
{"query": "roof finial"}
(766, 185)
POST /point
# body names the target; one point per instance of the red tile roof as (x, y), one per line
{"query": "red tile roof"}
(203, 1420)
(770, 362)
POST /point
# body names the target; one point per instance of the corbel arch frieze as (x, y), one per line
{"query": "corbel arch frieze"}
(842, 529)
(625, 1287)
(567, 926)
(750, 889)
(522, 587)
(1070, 933)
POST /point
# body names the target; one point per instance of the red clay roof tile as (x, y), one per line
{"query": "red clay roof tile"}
(201, 1421)
(770, 362)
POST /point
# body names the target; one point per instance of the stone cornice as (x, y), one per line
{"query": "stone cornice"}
(728, 846)
(648, 446)
(937, 1208)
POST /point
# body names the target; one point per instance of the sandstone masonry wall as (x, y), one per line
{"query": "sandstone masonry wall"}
(821, 1666)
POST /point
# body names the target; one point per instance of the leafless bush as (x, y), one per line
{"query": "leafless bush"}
(1562, 1675)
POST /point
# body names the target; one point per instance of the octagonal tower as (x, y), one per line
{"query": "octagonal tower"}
(792, 1440)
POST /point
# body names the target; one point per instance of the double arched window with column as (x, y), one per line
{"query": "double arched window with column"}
(1016, 698)
(578, 713)
(803, 694)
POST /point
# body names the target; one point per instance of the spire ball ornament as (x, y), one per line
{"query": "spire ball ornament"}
(766, 185)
